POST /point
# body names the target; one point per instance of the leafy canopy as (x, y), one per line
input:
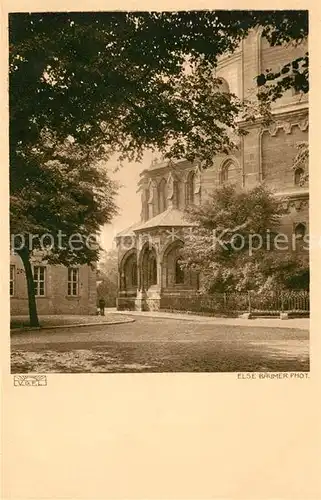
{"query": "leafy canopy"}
(124, 81)
(108, 277)
(231, 246)
(66, 196)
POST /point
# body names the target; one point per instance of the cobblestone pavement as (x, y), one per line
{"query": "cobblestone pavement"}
(160, 345)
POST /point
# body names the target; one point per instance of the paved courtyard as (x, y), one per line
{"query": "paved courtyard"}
(160, 345)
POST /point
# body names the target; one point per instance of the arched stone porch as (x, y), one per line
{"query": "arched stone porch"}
(176, 281)
(160, 275)
(149, 278)
(128, 280)
(158, 243)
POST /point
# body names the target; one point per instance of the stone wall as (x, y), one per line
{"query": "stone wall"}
(56, 299)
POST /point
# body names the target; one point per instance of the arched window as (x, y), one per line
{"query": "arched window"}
(152, 201)
(190, 188)
(224, 173)
(176, 195)
(172, 191)
(134, 274)
(152, 278)
(223, 86)
(145, 211)
(162, 196)
(129, 272)
(299, 231)
(298, 176)
(179, 272)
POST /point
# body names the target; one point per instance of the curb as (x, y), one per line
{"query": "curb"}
(38, 328)
(220, 321)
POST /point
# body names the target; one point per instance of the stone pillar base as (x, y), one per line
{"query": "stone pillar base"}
(245, 316)
(148, 300)
(139, 301)
(139, 304)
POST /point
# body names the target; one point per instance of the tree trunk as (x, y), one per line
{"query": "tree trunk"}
(33, 315)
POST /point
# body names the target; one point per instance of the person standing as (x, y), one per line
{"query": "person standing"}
(102, 307)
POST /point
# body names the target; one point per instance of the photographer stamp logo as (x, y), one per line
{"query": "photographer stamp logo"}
(29, 380)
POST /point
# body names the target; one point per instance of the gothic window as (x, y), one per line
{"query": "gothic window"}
(224, 173)
(134, 274)
(298, 176)
(130, 272)
(152, 279)
(190, 188)
(152, 202)
(172, 191)
(179, 273)
(299, 231)
(145, 204)
(223, 86)
(176, 195)
(162, 196)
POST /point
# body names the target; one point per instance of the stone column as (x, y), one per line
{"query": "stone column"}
(139, 301)
(159, 274)
(139, 278)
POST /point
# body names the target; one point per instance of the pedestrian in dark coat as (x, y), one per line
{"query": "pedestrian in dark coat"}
(102, 307)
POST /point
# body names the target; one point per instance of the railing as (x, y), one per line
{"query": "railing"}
(237, 303)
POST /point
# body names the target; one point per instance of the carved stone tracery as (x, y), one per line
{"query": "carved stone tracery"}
(286, 126)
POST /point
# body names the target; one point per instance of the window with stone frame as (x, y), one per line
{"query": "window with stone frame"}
(298, 174)
(145, 212)
(224, 173)
(152, 200)
(177, 200)
(223, 87)
(162, 196)
(73, 281)
(39, 278)
(300, 230)
(152, 268)
(190, 188)
(179, 272)
(134, 273)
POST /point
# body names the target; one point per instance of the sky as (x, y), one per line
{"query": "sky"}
(128, 200)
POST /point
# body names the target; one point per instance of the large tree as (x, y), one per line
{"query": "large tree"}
(131, 80)
(120, 82)
(57, 212)
(236, 244)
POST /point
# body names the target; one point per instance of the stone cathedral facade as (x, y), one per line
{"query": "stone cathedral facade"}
(149, 251)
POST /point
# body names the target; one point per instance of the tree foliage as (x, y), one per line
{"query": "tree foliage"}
(108, 275)
(232, 246)
(125, 81)
(66, 193)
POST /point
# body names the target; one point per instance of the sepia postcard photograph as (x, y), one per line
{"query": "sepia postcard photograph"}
(159, 191)
(161, 319)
